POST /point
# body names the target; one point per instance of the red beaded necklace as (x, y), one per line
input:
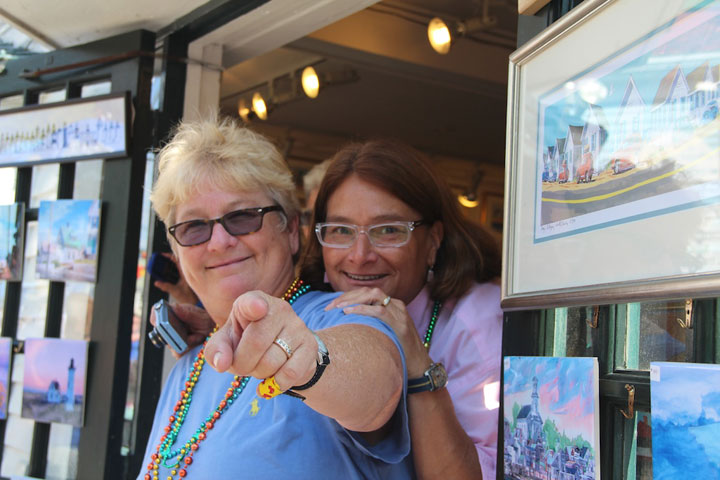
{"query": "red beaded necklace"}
(179, 459)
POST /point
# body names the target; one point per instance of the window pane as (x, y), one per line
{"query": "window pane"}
(52, 96)
(62, 452)
(44, 183)
(8, 177)
(582, 339)
(88, 177)
(133, 380)
(77, 310)
(655, 334)
(643, 433)
(14, 101)
(34, 295)
(97, 88)
(18, 431)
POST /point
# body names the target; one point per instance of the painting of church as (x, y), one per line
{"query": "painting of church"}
(551, 418)
(68, 232)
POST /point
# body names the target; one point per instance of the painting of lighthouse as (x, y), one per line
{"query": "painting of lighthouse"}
(551, 418)
(54, 380)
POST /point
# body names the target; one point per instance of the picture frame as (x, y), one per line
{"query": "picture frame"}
(613, 157)
(78, 129)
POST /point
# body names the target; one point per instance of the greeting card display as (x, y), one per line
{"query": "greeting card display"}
(685, 400)
(68, 232)
(551, 418)
(54, 380)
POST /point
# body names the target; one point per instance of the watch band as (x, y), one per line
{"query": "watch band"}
(434, 378)
(323, 361)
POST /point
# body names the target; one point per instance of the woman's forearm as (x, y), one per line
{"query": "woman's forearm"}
(363, 383)
(441, 448)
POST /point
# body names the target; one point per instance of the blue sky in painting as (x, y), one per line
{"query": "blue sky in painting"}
(685, 392)
(7, 228)
(688, 50)
(74, 213)
(566, 387)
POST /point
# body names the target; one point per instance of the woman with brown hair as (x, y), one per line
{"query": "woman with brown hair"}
(390, 234)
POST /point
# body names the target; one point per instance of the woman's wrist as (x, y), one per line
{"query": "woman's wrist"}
(417, 364)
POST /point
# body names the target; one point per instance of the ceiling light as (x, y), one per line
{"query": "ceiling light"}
(244, 111)
(442, 34)
(468, 200)
(259, 106)
(439, 36)
(310, 82)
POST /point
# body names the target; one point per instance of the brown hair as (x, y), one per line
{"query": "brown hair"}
(468, 252)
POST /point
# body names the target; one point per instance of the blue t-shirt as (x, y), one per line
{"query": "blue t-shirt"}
(281, 437)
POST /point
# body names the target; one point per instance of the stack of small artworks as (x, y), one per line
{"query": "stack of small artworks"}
(685, 399)
(551, 418)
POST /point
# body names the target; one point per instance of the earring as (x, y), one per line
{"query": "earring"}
(430, 274)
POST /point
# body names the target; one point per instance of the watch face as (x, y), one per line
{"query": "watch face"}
(438, 376)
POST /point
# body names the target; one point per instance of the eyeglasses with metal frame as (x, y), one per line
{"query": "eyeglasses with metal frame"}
(344, 235)
(237, 222)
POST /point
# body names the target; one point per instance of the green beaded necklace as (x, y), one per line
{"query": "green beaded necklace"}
(179, 459)
(433, 320)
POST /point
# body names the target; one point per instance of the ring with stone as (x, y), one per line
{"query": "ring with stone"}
(285, 347)
(386, 301)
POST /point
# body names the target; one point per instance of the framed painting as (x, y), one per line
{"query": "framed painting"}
(613, 157)
(95, 127)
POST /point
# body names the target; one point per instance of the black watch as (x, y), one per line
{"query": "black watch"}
(323, 360)
(434, 378)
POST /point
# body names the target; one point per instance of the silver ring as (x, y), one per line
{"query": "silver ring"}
(386, 301)
(285, 347)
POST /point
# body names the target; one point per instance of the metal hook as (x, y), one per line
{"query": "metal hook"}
(631, 401)
(687, 323)
(596, 313)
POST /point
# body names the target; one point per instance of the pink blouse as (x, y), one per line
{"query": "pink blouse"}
(468, 341)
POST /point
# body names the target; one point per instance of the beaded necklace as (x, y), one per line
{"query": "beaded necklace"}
(433, 320)
(179, 459)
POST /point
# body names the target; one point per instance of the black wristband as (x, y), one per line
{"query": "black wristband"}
(323, 361)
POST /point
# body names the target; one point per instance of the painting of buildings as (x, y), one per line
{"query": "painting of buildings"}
(648, 117)
(54, 380)
(12, 223)
(68, 240)
(551, 418)
(685, 402)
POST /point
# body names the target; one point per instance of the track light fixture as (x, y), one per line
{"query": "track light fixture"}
(310, 82)
(442, 33)
(259, 106)
(468, 200)
(244, 111)
(287, 88)
(469, 197)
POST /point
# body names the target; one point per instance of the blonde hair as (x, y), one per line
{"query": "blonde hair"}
(313, 179)
(225, 156)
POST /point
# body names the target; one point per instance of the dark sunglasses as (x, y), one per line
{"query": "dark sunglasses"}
(238, 222)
